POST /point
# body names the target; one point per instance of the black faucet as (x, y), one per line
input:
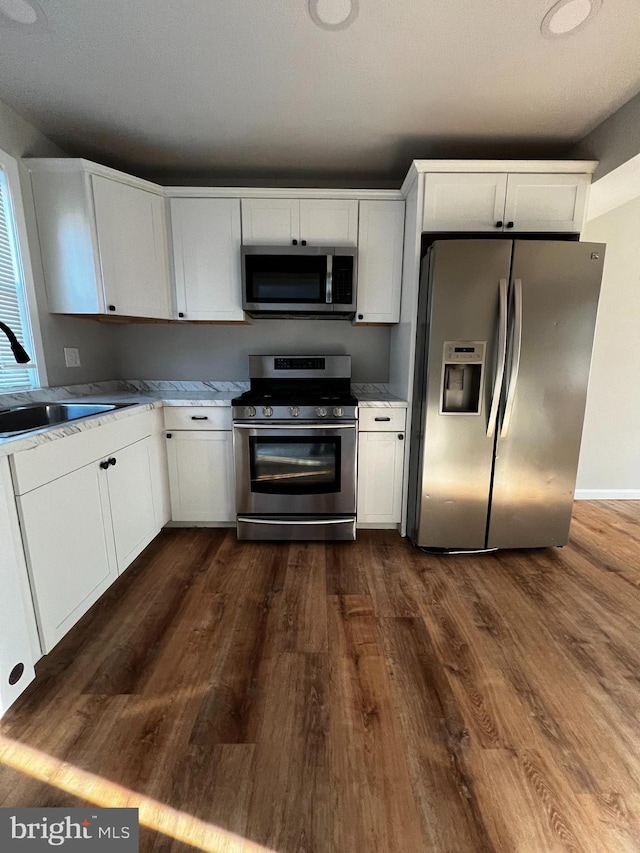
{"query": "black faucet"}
(19, 352)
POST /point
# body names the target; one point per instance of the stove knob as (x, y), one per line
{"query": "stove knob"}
(321, 412)
(294, 411)
(249, 412)
(338, 412)
(267, 411)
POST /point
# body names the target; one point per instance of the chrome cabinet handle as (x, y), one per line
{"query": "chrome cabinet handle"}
(515, 355)
(296, 522)
(329, 291)
(502, 358)
(328, 427)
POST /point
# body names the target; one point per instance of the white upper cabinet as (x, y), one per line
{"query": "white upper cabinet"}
(464, 201)
(268, 221)
(131, 229)
(102, 240)
(314, 222)
(380, 240)
(546, 202)
(500, 202)
(206, 240)
(329, 222)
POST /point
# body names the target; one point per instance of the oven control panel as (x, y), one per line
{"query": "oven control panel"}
(294, 363)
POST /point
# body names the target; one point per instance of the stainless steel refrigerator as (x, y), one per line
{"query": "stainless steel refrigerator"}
(505, 333)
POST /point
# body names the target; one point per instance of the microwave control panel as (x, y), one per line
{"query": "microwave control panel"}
(342, 280)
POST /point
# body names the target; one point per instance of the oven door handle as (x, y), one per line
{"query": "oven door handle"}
(315, 521)
(286, 427)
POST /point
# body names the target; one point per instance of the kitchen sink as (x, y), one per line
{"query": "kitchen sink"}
(38, 415)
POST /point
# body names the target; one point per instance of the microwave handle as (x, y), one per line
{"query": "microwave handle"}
(329, 291)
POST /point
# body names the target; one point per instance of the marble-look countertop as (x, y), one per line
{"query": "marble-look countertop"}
(35, 438)
(141, 396)
(370, 395)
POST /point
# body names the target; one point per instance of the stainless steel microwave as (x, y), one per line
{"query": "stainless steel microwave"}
(294, 281)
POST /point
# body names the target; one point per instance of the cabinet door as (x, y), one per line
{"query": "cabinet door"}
(546, 202)
(131, 501)
(201, 476)
(206, 255)
(19, 647)
(380, 236)
(464, 202)
(380, 471)
(270, 221)
(70, 551)
(329, 222)
(130, 225)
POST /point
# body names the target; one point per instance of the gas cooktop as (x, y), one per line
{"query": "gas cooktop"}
(298, 387)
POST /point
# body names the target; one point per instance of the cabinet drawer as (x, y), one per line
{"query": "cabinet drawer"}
(47, 462)
(197, 417)
(382, 419)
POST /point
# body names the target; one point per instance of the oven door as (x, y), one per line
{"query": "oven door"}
(299, 469)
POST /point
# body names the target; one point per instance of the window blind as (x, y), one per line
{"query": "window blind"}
(13, 308)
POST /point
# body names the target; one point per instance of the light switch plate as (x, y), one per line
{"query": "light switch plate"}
(72, 356)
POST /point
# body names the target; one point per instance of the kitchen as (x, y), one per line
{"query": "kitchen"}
(381, 357)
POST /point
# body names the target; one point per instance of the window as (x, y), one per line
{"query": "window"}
(14, 307)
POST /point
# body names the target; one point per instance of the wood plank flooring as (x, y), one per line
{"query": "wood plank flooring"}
(351, 697)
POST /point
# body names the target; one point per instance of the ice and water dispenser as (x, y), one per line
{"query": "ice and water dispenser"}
(462, 375)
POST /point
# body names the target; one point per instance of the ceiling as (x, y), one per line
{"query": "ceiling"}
(251, 89)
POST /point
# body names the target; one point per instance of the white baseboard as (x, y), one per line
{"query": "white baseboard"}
(607, 495)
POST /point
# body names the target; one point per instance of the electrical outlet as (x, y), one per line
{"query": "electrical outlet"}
(72, 356)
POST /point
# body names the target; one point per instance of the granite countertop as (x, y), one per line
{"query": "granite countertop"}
(142, 397)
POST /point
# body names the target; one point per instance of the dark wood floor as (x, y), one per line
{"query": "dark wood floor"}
(358, 697)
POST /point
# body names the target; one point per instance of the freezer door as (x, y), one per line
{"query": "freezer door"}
(554, 291)
(452, 448)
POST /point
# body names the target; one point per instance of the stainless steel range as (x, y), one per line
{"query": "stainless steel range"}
(295, 445)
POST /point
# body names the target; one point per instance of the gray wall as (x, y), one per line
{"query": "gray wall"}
(614, 141)
(610, 455)
(21, 139)
(189, 351)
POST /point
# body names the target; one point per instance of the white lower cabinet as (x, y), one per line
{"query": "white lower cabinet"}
(200, 457)
(87, 509)
(70, 548)
(131, 501)
(381, 450)
(201, 476)
(19, 645)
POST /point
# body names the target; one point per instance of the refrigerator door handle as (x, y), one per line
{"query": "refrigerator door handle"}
(515, 355)
(502, 358)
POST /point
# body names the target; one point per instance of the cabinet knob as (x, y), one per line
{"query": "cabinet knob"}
(499, 223)
(295, 242)
(509, 224)
(112, 307)
(400, 436)
(360, 316)
(169, 435)
(112, 460)
(180, 313)
(16, 673)
(104, 464)
(304, 242)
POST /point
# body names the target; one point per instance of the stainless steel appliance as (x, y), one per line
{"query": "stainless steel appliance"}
(503, 353)
(295, 446)
(312, 281)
